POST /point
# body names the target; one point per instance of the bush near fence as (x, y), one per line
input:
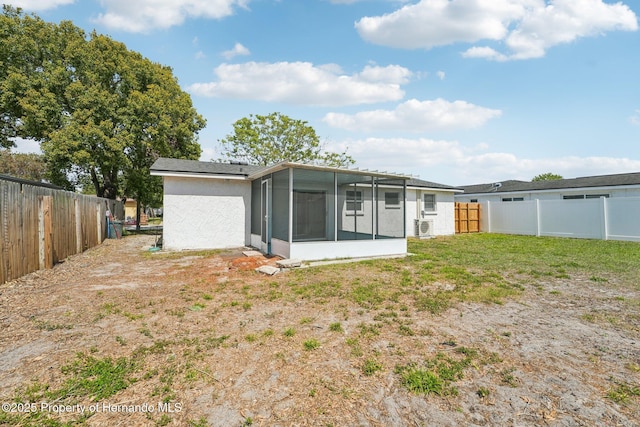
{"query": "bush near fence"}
(614, 218)
(41, 225)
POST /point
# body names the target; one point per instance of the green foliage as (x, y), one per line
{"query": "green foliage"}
(370, 367)
(102, 113)
(96, 378)
(311, 344)
(266, 140)
(546, 177)
(483, 392)
(623, 392)
(437, 374)
(26, 166)
(336, 327)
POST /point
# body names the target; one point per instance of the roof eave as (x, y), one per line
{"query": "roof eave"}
(417, 187)
(549, 190)
(285, 165)
(204, 175)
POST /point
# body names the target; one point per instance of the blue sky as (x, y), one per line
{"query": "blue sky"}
(454, 91)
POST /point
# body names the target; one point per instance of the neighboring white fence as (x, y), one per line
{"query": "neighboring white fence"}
(615, 218)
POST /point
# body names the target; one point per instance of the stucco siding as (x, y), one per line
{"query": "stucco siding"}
(443, 217)
(206, 213)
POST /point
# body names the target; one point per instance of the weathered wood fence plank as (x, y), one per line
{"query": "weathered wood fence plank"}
(40, 226)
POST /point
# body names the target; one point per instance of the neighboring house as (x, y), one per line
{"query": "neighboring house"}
(589, 187)
(130, 206)
(296, 210)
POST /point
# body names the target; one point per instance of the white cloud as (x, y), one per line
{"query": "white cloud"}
(416, 116)
(635, 118)
(397, 153)
(200, 55)
(26, 146)
(303, 83)
(440, 22)
(391, 74)
(208, 154)
(38, 4)
(449, 162)
(238, 49)
(526, 27)
(491, 167)
(145, 15)
(484, 52)
(441, 75)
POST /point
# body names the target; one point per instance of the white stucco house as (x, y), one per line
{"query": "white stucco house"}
(588, 187)
(297, 210)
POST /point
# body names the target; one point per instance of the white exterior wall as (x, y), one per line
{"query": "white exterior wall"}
(390, 219)
(444, 220)
(311, 251)
(201, 213)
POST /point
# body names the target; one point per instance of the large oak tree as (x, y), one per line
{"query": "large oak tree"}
(101, 112)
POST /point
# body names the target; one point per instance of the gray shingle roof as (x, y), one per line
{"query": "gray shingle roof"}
(415, 182)
(582, 182)
(164, 164)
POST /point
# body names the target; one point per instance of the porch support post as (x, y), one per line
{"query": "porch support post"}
(290, 205)
(335, 206)
(374, 208)
(404, 207)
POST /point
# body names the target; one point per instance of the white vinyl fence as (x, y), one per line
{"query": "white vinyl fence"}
(604, 218)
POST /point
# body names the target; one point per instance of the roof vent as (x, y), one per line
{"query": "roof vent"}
(238, 162)
(495, 186)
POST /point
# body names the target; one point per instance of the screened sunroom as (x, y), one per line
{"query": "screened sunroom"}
(312, 212)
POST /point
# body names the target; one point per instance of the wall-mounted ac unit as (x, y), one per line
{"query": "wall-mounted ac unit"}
(424, 228)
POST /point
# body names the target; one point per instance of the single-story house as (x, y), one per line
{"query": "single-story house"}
(588, 187)
(297, 210)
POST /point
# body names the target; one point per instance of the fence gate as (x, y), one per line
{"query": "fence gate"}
(467, 217)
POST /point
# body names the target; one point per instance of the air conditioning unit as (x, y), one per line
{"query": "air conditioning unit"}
(424, 228)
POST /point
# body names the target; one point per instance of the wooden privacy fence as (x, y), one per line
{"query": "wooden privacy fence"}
(467, 217)
(41, 225)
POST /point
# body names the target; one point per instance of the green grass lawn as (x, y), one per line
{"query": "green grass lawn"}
(475, 268)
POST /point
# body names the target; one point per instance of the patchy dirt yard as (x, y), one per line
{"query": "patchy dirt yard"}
(199, 339)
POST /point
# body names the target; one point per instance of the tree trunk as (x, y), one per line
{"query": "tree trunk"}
(137, 214)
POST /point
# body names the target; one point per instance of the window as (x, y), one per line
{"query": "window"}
(583, 196)
(392, 200)
(429, 202)
(354, 201)
(513, 199)
(473, 201)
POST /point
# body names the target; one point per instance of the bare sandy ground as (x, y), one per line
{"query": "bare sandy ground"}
(221, 356)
